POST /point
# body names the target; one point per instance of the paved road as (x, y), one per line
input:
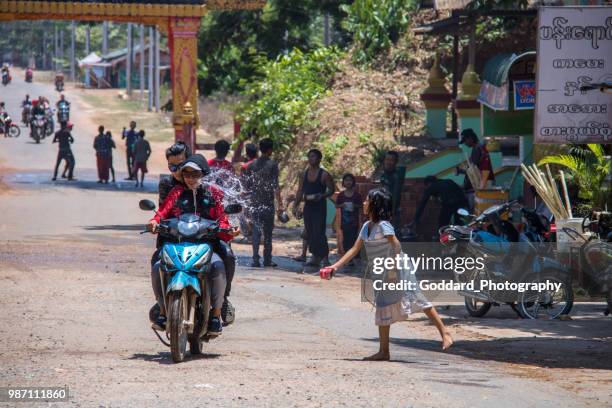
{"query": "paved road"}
(74, 290)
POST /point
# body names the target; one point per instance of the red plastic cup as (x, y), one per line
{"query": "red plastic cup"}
(326, 273)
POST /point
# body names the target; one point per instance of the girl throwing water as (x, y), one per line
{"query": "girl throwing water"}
(378, 237)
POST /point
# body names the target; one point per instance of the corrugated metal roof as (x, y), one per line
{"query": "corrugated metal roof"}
(497, 68)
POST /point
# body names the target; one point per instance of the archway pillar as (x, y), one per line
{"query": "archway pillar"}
(183, 47)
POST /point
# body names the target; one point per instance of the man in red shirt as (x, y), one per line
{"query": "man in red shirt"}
(222, 148)
(480, 158)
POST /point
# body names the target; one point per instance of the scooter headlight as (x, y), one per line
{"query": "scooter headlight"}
(188, 229)
(167, 260)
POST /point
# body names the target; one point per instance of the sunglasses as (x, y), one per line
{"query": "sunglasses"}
(192, 174)
(174, 167)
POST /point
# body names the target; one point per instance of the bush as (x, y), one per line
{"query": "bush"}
(279, 101)
(376, 25)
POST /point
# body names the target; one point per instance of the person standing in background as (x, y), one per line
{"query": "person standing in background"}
(316, 186)
(348, 211)
(222, 148)
(65, 139)
(130, 137)
(393, 180)
(480, 158)
(111, 145)
(262, 185)
(142, 151)
(103, 153)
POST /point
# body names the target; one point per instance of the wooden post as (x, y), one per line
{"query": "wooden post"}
(183, 44)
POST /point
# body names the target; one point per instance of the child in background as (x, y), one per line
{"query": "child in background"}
(348, 211)
(378, 237)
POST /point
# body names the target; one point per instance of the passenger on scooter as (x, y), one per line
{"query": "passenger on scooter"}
(176, 155)
(207, 202)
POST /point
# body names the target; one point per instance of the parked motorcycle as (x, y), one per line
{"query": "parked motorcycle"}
(507, 252)
(8, 127)
(184, 265)
(38, 126)
(63, 112)
(29, 75)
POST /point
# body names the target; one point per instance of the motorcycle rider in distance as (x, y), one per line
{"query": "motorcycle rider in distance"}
(194, 197)
(59, 81)
(62, 101)
(26, 110)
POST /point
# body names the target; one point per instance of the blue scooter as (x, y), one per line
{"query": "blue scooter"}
(184, 264)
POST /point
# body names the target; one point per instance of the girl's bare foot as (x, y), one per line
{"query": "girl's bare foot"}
(447, 341)
(380, 356)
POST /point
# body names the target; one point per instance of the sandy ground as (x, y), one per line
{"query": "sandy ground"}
(75, 291)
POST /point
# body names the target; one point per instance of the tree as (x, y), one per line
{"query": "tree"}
(230, 42)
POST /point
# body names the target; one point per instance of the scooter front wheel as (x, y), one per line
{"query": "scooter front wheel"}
(176, 320)
(202, 311)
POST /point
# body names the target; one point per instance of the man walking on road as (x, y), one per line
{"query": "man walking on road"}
(64, 138)
(315, 188)
(142, 151)
(130, 137)
(261, 179)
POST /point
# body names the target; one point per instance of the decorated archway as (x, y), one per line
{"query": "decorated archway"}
(179, 20)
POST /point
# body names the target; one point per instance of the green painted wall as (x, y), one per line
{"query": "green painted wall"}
(507, 123)
(435, 121)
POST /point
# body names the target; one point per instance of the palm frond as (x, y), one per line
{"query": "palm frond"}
(565, 160)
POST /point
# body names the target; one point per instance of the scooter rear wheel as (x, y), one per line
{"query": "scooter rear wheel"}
(176, 318)
(14, 131)
(477, 308)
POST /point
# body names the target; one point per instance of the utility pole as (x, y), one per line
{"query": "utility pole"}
(87, 39)
(151, 51)
(128, 65)
(72, 50)
(55, 46)
(142, 60)
(61, 49)
(157, 70)
(104, 37)
(326, 37)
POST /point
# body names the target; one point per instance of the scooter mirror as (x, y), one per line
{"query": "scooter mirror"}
(146, 205)
(233, 208)
(463, 212)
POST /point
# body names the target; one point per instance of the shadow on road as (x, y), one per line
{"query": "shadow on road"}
(535, 351)
(166, 358)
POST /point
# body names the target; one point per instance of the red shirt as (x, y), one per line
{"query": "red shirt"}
(169, 209)
(221, 164)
